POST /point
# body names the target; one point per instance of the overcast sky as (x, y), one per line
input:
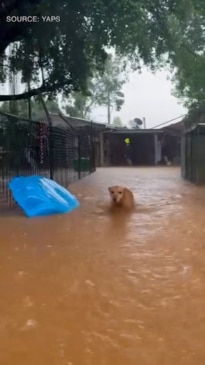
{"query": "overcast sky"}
(146, 95)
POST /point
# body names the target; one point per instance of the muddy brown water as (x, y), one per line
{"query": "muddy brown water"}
(90, 288)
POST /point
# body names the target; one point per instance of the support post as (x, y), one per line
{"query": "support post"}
(101, 149)
(157, 150)
(51, 151)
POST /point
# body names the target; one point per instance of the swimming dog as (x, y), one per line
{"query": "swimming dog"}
(121, 197)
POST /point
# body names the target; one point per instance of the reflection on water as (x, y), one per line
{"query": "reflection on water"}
(91, 288)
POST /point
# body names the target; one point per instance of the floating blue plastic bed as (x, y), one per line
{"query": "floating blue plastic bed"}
(39, 196)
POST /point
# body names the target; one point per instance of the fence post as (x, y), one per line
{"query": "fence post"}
(93, 151)
(79, 157)
(50, 138)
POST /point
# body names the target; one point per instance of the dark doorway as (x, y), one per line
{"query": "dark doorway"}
(139, 149)
(171, 148)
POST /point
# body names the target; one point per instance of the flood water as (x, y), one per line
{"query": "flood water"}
(90, 288)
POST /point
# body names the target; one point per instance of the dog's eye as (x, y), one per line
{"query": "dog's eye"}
(112, 192)
(120, 192)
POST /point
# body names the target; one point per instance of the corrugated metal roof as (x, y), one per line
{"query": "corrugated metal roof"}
(62, 121)
(137, 131)
(178, 127)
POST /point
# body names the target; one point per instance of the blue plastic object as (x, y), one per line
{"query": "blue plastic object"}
(39, 196)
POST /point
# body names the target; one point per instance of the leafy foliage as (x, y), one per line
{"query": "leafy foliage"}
(37, 110)
(78, 105)
(188, 56)
(117, 122)
(109, 85)
(61, 56)
(104, 89)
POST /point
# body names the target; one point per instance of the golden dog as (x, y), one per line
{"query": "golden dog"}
(121, 197)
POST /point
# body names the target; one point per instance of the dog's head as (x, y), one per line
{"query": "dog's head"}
(116, 193)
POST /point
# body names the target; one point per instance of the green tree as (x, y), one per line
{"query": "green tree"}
(77, 105)
(107, 89)
(188, 56)
(117, 122)
(104, 89)
(59, 56)
(37, 111)
(189, 80)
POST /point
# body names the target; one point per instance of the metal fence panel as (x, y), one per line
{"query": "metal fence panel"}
(183, 158)
(194, 155)
(29, 147)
